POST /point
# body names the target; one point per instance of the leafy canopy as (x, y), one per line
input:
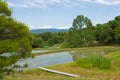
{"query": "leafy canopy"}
(15, 39)
(80, 33)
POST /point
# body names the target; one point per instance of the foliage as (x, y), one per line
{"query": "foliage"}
(104, 33)
(57, 38)
(15, 39)
(81, 33)
(37, 42)
(48, 39)
(46, 35)
(80, 22)
(94, 61)
(4, 9)
(108, 33)
(117, 29)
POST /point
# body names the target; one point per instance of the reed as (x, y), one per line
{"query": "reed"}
(94, 61)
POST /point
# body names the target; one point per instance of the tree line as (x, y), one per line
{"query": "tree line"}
(48, 39)
(82, 34)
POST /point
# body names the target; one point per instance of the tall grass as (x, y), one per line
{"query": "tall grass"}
(94, 61)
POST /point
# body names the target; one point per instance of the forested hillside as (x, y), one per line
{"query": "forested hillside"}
(82, 34)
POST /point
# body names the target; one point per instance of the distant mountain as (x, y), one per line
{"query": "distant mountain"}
(37, 31)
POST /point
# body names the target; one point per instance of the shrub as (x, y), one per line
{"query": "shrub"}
(100, 61)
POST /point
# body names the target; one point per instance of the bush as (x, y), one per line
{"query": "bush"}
(94, 61)
(100, 61)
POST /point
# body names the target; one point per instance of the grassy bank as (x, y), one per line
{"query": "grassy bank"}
(91, 73)
(86, 74)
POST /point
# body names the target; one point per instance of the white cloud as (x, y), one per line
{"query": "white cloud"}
(40, 27)
(17, 5)
(46, 27)
(65, 3)
(62, 27)
(105, 2)
(109, 2)
(43, 3)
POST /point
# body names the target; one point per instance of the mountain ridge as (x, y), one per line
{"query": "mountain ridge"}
(37, 31)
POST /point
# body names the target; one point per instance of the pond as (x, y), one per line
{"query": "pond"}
(46, 60)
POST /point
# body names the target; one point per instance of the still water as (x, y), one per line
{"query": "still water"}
(46, 60)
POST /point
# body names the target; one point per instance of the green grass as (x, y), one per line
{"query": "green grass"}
(114, 56)
(94, 61)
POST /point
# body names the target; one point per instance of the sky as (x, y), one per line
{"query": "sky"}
(60, 14)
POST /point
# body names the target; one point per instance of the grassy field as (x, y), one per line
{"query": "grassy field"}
(91, 73)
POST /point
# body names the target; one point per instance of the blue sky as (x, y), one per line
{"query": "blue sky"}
(60, 13)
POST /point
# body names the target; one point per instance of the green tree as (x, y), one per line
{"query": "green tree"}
(57, 38)
(108, 33)
(15, 39)
(117, 29)
(81, 33)
(4, 9)
(81, 22)
(104, 34)
(38, 42)
(46, 35)
(51, 38)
